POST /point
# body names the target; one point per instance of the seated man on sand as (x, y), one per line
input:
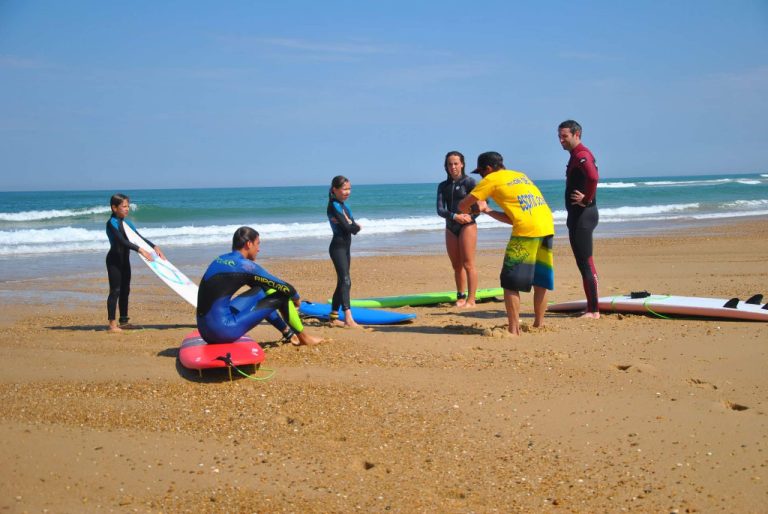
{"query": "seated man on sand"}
(223, 319)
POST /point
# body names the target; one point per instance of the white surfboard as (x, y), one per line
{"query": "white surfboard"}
(665, 305)
(164, 269)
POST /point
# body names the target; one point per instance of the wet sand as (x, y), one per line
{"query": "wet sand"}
(628, 413)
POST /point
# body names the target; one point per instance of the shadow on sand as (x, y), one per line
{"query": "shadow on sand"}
(103, 328)
(216, 375)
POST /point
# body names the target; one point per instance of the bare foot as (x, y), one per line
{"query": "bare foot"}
(337, 323)
(467, 304)
(461, 302)
(349, 321)
(114, 329)
(590, 315)
(306, 339)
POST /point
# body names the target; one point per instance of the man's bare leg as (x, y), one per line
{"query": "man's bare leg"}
(539, 305)
(512, 303)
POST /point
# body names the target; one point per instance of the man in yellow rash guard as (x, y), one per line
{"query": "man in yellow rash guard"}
(528, 257)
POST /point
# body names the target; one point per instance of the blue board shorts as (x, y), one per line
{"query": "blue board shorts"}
(528, 262)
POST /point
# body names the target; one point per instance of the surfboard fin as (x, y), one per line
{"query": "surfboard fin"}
(755, 300)
(227, 359)
(732, 303)
(639, 294)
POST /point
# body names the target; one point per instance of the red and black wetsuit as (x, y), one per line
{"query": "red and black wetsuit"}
(581, 175)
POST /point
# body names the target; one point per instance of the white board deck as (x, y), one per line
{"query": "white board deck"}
(164, 269)
(670, 305)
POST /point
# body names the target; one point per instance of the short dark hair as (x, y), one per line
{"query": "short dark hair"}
(451, 154)
(117, 199)
(492, 159)
(571, 125)
(242, 236)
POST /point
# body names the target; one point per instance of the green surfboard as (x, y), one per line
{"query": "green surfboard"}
(422, 298)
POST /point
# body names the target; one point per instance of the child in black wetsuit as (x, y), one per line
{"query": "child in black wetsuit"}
(118, 261)
(343, 226)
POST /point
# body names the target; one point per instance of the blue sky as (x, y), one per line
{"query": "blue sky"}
(110, 95)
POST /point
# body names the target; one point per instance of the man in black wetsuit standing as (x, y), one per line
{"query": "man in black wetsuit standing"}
(581, 202)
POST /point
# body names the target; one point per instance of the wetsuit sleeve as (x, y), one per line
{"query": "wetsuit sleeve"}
(118, 238)
(266, 280)
(130, 224)
(589, 170)
(336, 211)
(442, 211)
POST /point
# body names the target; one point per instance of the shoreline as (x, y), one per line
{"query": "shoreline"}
(188, 258)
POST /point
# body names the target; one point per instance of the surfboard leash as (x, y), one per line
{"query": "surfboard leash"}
(228, 360)
(645, 304)
(647, 297)
(253, 377)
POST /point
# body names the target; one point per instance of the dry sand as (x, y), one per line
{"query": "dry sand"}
(629, 413)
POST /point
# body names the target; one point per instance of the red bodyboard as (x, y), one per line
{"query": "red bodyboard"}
(195, 353)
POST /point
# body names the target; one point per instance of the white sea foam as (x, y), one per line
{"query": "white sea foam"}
(615, 185)
(718, 215)
(607, 215)
(746, 203)
(683, 217)
(52, 214)
(764, 175)
(634, 212)
(72, 239)
(678, 183)
(693, 182)
(80, 239)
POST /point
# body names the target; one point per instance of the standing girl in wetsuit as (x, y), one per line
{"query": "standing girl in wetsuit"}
(460, 229)
(581, 178)
(118, 261)
(344, 227)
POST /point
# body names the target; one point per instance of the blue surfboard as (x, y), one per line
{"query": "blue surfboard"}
(362, 315)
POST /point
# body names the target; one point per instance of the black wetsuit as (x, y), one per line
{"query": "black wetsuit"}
(449, 194)
(119, 267)
(581, 175)
(339, 249)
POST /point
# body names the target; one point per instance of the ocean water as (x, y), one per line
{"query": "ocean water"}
(63, 232)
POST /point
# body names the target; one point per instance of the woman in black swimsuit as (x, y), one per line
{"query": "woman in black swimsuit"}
(460, 229)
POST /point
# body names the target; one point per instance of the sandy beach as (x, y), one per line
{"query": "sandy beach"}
(628, 413)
